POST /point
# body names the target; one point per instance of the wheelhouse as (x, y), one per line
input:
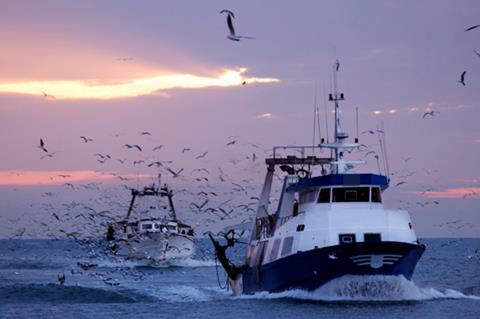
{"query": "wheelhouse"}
(340, 188)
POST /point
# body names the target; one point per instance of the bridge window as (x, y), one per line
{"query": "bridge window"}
(324, 196)
(308, 196)
(376, 195)
(351, 194)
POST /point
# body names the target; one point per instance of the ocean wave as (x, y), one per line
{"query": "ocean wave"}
(29, 264)
(37, 293)
(366, 289)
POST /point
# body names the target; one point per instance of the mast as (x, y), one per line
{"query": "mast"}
(169, 194)
(339, 165)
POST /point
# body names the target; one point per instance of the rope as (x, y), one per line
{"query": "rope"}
(218, 277)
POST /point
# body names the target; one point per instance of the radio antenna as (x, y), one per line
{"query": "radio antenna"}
(314, 118)
(326, 112)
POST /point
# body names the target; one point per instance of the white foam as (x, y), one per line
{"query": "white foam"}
(182, 293)
(367, 288)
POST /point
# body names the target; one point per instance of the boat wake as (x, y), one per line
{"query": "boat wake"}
(367, 288)
(187, 263)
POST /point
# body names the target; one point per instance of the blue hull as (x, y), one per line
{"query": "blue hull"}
(311, 269)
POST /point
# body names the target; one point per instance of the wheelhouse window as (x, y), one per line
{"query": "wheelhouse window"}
(351, 194)
(308, 196)
(376, 195)
(324, 196)
(147, 226)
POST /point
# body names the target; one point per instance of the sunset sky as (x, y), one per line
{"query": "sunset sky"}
(110, 70)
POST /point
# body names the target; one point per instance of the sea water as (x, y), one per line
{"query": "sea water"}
(446, 284)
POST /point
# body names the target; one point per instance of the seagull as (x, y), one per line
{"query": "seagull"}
(47, 95)
(472, 27)
(368, 131)
(42, 146)
(337, 65)
(159, 147)
(202, 155)
(431, 113)
(138, 162)
(48, 155)
(462, 78)
(61, 278)
(157, 164)
(476, 52)
(186, 150)
(133, 146)
(232, 36)
(145, 133)
(175, 174)
(231, 143)
(400, 183)
(85, 139)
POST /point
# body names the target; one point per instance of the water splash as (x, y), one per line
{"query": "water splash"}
(367, 288)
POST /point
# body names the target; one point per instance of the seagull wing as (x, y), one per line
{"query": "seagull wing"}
(472, 27)
(228, 12)
(230, 25)
(138, 147)
(476, 52)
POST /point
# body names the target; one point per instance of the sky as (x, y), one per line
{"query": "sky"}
(110, 70)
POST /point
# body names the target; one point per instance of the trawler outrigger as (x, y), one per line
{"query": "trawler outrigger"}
(324, 227)
(154, 238)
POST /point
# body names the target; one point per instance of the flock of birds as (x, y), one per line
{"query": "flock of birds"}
(227, 200)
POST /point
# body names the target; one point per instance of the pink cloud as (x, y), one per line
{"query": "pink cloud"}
(24, 178)
(460, 192)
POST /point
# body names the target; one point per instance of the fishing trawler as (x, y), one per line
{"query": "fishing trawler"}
(157, 236)
(325, 226)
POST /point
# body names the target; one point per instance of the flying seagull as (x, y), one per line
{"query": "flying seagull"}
(202, 155)
(472, 27)
(337, 65)
(431, 113)
(157, 164)
(232, 36)
(175, 174)
(462, 78)
(85, 139)
(476, 52)
(42, 146)
(133, 146)
(48, 155)
(47, 95)
(159, 147)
